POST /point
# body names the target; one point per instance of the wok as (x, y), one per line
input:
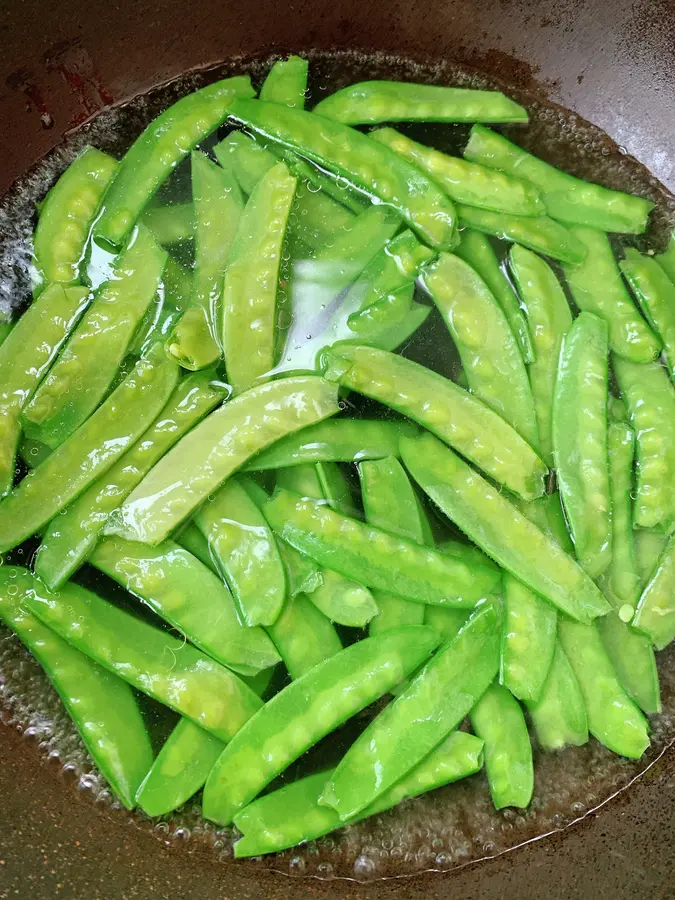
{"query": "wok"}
(61, 64)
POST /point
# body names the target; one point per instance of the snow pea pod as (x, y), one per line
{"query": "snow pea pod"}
(496, 525)
(567, 198)
(623, 576)
(33, 452)
(87, 365)
(292, 814)
(308, 709)
(547, 514)
(67, 213)
(655, 293)
(559, 715)
(25, 357)
(396, 101)
(156, 153)
(632, 657)
(303, 635)
(177, 283)
(528, 640)
(203, 459)
(597, 287)
(649, 545)
(286, 82)
(364, 554)
(500, 723)
(463, 181)
(367, 164)
(487, 347)
(74, 533)
(191, 538)
(174, 224)
(539, 233)
(580, 440)
(101, 705)
(449, 411)
(314, 178)
(548, 320)
(90, 451)
(667, 259)
(613, 718)
(430, 707)
(250, 291)
(655, 615)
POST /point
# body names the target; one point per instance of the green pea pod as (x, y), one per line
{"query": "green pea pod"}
(90, 452)
(170, 671)
(613, 718)
(364, 554)
(292, 814)
(667, 259)
(528, 640)
(450, 412)
(85, 370)
(655, 615)
(74, 533)
(492, 522)
(633, 659)
(101, 705)
(500, 723)
(475, 249)
(156, 153)
(191, 538)
(286, 82)
(202, 460)
(649, 545)
(547, 514)
(307, 710)
(33, 452)
(567, 198)
(548, 319)
(623, 576)
(559, 715)
(25, 357)
(597, 287)
(580, 440)
(174, 224)
(302, 574)
(369, 102)
(486, 345)
(5, 331)
(177, 282)
(312, 178)
(67, 213)
(367, 164)
(655, 293)
(539, 233)
(303, 635)
(463, 181)
(432, 705)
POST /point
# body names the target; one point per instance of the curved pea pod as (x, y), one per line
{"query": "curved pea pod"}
(476, 250)
(539, 233)
(25, 357)
(597, 287)
(367, 164)
(453, 414)
(185, 593)
(74, 533)
(667, 259)
(655, 293)
(580, 440)
(528, 640)
(90, 451)
(649, 545)
(559, 715)
(500, 723)
(100, 704)
(623, 576)
(613, 718)
(655, 615)
(67, 213)
(430, 707)
(87, 365)
(650, 399)
(567, 198)
(308, 709)
(303, 635)
(486, 345)
(365, 554)
(171, 224)
(202, 460)
(396, 101)
(170, 671)
(548, 319)
(496, 525)
(286, 82)
(292, 814)
(463, 181)
(632, 657)
(245, 552)
(156, 153)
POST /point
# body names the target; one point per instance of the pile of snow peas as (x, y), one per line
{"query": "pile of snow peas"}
(494, 554)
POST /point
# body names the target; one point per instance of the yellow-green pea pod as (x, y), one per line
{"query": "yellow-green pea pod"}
(632, 656)
(528, 640)
(655, 615)
(101, 705)
(655, 293)
(308, 709)
(303, 635)
(649, 545)
(25, 357)
(667, 259)
(500, 723)
(496, 525)
(156, 153)
(90, 451)
(623, 574)
(5, 331)
(286, 82)
(559, 715)
(580, 440)
(174, 224)
(222, 443)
